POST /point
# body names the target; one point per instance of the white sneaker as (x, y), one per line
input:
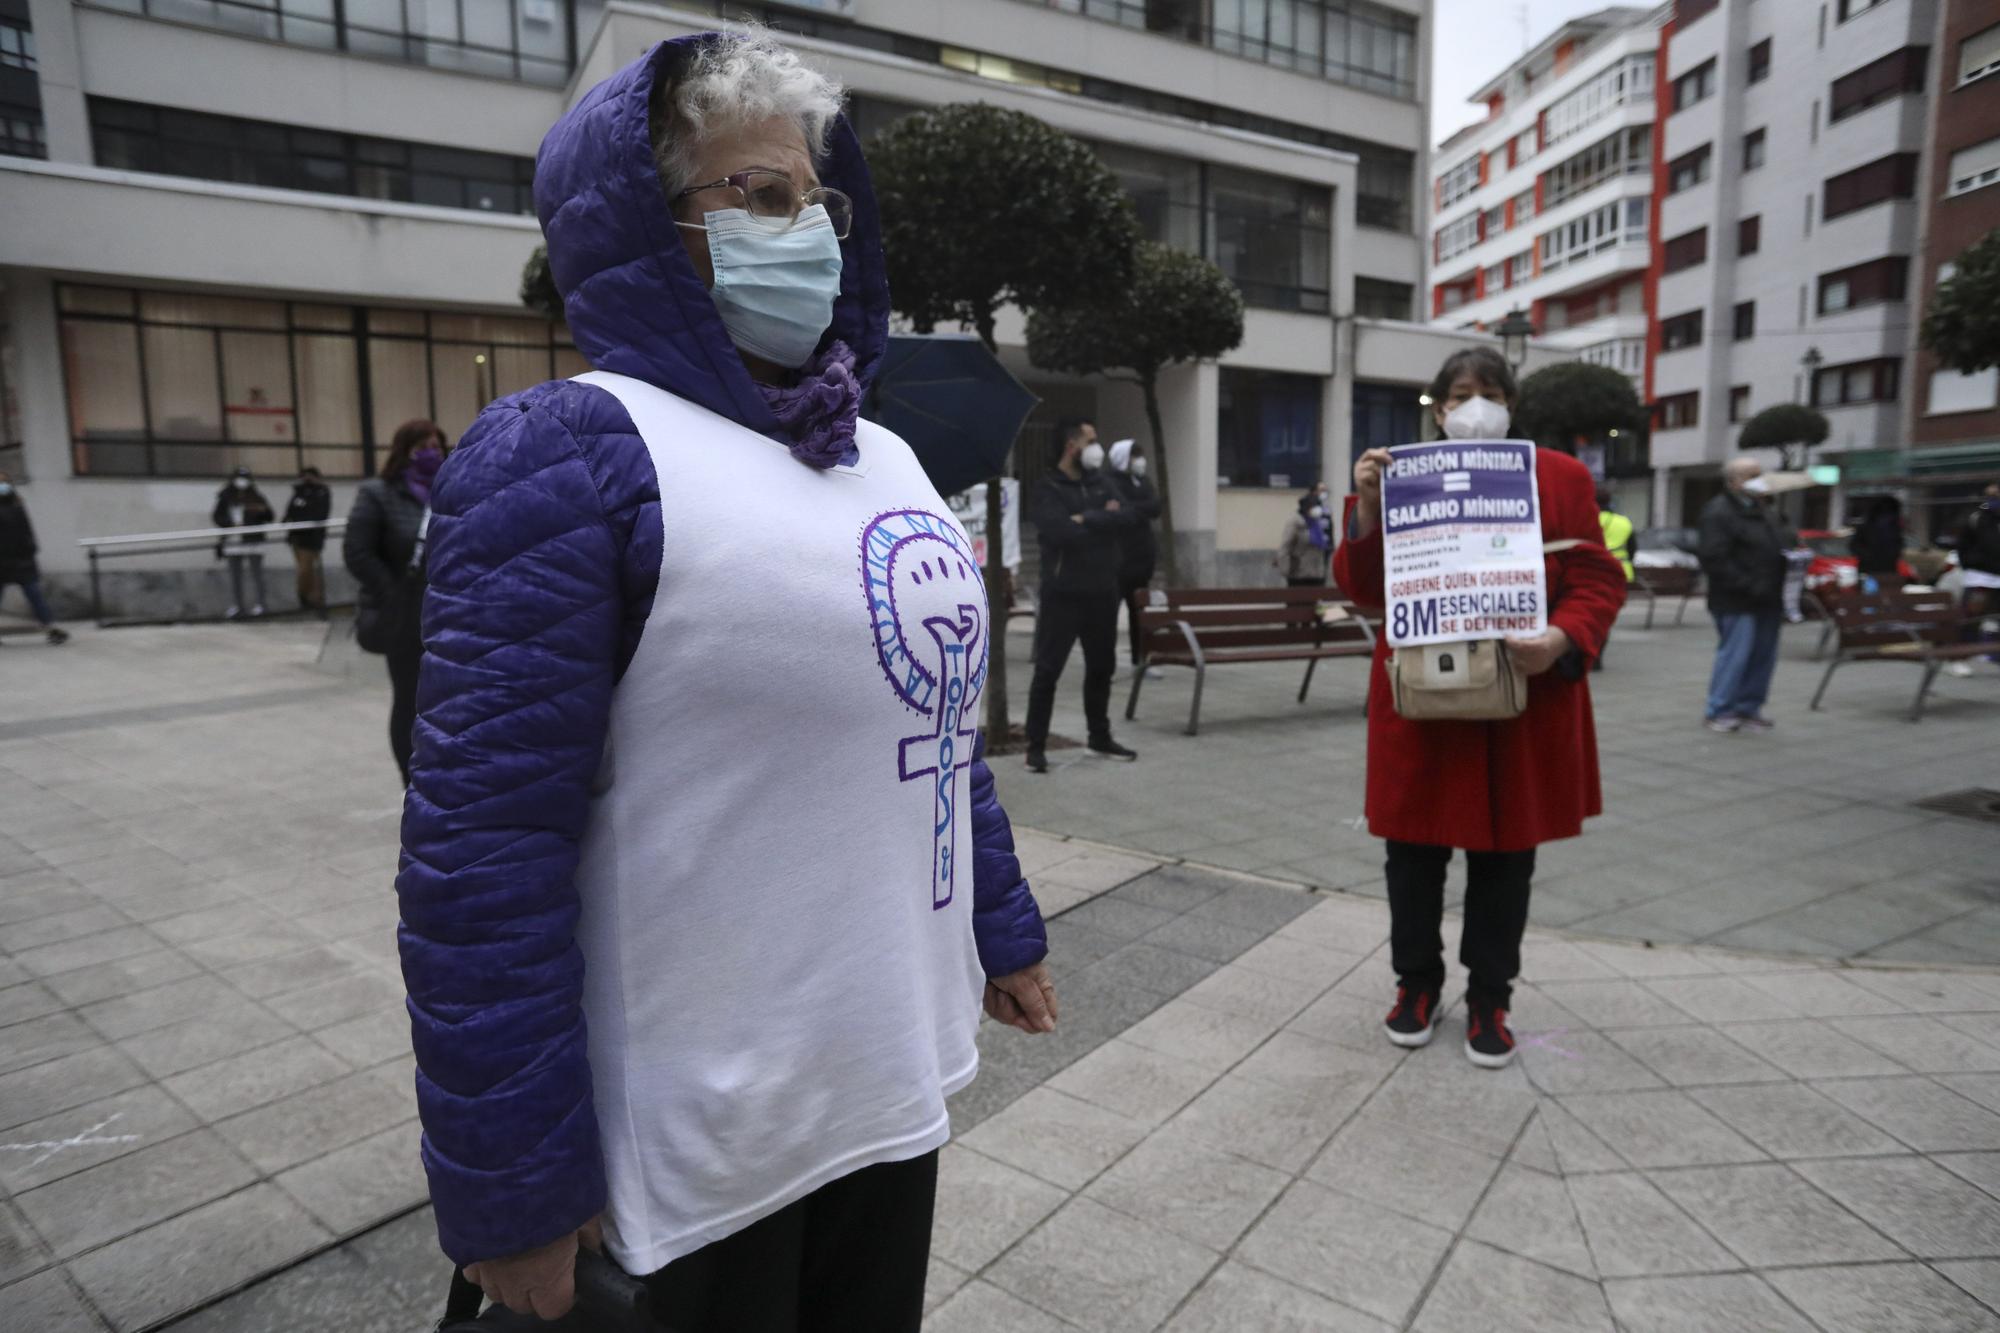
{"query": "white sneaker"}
(1960, 669)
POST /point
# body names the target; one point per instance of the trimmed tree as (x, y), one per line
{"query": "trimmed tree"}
(1560, 402)
(1783, 426)
(1962, 326)
(984, 208)
(538, 286)
(1178, 308)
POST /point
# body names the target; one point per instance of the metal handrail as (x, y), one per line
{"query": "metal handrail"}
(191, 539)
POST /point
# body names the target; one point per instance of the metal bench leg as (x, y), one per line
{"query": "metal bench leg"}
(1680, 616)
(1306, 684)
(1931, 669)
(1825, 680)
(1652, 604)
(1138, 679)
(1194, 710)
(1825, 633)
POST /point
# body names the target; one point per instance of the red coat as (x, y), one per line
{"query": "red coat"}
(1498, 786)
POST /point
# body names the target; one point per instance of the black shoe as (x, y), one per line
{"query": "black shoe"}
(58, 636)
(1111, 749)
(1037, 762)
(1489, 1042)
(1414, 1019)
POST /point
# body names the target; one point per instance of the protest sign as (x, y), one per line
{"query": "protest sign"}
(969, 508)
(1462, 542)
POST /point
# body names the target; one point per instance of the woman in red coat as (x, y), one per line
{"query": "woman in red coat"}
(1495, 790)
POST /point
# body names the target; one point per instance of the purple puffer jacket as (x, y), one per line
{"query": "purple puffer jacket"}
(545, 549)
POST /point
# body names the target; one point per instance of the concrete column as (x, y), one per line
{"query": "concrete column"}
(1189, 403)
(65, 119)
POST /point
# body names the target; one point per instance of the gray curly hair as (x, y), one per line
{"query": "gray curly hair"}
(737, 78)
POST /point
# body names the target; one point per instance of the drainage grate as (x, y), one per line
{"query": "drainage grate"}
(1982, 803)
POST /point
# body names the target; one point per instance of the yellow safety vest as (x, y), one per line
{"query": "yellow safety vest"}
(1617, 538)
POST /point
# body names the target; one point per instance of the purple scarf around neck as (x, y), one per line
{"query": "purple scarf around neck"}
(819, 411)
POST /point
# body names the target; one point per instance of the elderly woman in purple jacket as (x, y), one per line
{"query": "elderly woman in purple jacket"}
(704, 882)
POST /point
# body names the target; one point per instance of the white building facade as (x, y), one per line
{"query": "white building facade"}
(240, 232)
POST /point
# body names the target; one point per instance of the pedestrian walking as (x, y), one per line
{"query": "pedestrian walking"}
(1877, 541)
(1979, 567)
(704, 875)
(383, 549)
(1620, 541)
(1081, 525)
(1744, 558)
(1139, 499)
(1305, 542)
(18, 566)
(1493, 790)
(239, 504)
(311, 502)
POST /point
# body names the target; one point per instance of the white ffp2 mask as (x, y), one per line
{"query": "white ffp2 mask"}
(1139, 466)
(1477, 419)
(1092, 457)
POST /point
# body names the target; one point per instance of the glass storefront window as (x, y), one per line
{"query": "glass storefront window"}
(1268, 429)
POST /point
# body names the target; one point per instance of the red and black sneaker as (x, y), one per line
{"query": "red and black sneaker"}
(1489, 1042)
(1414, 1018)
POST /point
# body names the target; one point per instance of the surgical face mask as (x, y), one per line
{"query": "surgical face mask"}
(241, 483)
(1477, 419)
(1139, 466)
(1317, 511)
(1756, 486)
(774, 289)
(1092, 457)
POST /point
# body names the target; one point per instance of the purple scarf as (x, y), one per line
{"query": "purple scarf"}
(421, 471)
(819, 411)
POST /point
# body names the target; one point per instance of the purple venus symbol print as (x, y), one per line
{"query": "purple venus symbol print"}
(918, 574)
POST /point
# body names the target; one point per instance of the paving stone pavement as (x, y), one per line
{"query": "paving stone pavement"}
(204, 1078)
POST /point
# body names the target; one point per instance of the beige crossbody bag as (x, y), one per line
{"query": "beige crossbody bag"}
(1474, 681)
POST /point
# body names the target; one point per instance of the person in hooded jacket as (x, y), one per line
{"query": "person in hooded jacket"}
(1305, 542)
(17, 559)
(1877, 541)
(239, 504)
(311, 502)
(704, 881)
(1979, 565)
(1140, 500)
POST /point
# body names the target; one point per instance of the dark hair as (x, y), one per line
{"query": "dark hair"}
(1884, 506)
(309, 471)
(1067, 429)
(409, 436)
(1604, 495)
(1487, 367)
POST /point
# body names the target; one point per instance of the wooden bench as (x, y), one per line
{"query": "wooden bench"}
(1205, 627)
(1657, 581)
(1897, 626)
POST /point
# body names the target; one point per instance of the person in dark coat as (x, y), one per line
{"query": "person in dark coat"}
(1305, 542)
(17, 558)
(1979, 565)
(1081, 524)
(311, 502)
(1140, 499)
(1877, 542)
(239, 504)
(382, 549)
(1743, 557)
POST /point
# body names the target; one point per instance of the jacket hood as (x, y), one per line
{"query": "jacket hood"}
(634, 302)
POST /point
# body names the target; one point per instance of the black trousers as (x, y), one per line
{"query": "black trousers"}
(403, 664)
(848, 1258)
(1496, 912)
(1127, 585)
(1064, 618)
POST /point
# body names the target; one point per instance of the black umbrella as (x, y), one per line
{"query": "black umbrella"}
(953, 402)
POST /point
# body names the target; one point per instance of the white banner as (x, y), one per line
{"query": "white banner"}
(969, 507)
(1462, 542)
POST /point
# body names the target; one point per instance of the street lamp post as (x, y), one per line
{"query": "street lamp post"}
(1810, 362)
(1514, 331)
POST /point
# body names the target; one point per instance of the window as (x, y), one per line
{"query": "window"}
(1675, 411)
(1348, 41)
(1455, 238)
(185, 384)
(1697, 85)
(511, 39)
(1524, 145)
(1973, 168)
(1273, 237)
(21, 132)
(1745, 321)
(1872, 283)
(1853, 8)
(1375, 298)
(1979, 55)
(1617, 223)
(1739, 403)
(1893, 75)
(1524, 207)
(1492, 222)
(1760, 61)
(1164, 190)
(1753, 150)
(1521, 267)
(1679, 331)
(1495, 277)
(1749, 235)
(1267, 429)
(1383, 415)
(1631, 80)
(1857, 382)
(1382, 188)
(17, 44)
(1688, 170)
(1685, 251)
(1886, 178)
(133, 137)
(1626, 354)
(1952, 392)
(1458, 182)
(1626, 153)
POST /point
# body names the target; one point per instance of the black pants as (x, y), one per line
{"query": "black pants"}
(1063, 618)
(403, 664)
(1305, 583)
(1128, 585)
(848, 1258)
(1496, 912)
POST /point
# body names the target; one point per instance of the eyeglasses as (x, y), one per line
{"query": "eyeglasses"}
(772, 198)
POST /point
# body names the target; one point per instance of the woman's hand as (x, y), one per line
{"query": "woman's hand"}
(1539, 652)
(1024, 999)
(540, 1282)
(1368, 490)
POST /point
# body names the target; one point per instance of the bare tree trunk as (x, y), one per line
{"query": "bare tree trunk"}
(998, 723)
(1149, 386)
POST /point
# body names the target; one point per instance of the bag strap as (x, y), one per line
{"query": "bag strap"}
(462, 1303)
(1566, 544)
(423, 536)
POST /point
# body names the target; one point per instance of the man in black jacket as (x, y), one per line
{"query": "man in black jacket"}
(1139, 500)
(1081, 525)
(311, 502)
(1743, 555)
(17, 558)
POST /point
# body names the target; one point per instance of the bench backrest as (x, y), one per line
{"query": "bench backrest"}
(1892, 615)
(1668, 580)
(1251, 618)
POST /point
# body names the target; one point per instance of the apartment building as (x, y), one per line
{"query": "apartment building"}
(262, 232)
(1544, 206)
